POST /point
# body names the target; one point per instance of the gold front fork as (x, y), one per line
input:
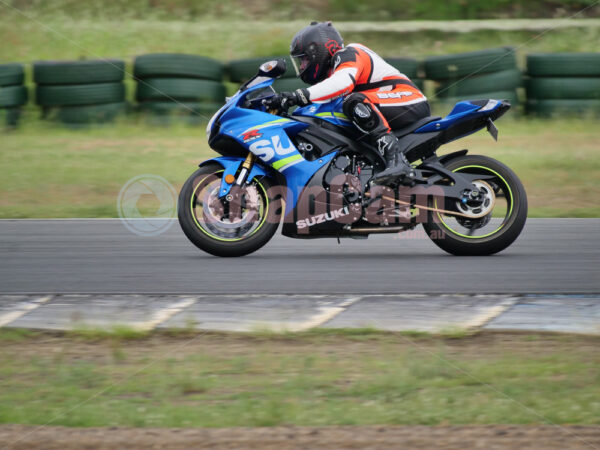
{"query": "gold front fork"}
(246, 166)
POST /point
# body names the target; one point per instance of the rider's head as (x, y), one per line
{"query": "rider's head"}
(312, 49)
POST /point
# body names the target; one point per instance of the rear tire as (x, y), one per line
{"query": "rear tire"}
(199, 231)
(456, 243)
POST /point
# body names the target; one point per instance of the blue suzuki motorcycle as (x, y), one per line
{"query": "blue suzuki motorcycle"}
(313, 170)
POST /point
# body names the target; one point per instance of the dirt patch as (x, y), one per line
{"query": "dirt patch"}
(185, 344)
(373, 437)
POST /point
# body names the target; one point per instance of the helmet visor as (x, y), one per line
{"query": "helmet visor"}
(300, 63)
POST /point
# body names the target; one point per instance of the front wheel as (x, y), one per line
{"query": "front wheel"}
(237, 225)
(491, 225)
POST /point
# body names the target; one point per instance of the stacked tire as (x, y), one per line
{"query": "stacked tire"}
(481, 74)
(80, 92)
(13, 94)
(174, 84)
(241, 70)
(563, 84)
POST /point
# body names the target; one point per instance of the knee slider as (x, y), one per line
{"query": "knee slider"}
(360, 112)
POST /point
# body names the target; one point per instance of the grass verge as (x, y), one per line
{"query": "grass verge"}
(54, 35)
(314, 378)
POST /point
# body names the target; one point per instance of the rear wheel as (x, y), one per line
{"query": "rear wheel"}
(489, 225)
(236, 225)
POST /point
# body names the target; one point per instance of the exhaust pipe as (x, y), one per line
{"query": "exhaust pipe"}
(370, 230)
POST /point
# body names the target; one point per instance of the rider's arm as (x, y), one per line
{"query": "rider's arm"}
(342, 80)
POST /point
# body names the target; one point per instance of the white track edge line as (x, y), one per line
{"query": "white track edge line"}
(25, 308)
(164, 314)
(326, 314)
(490, 314)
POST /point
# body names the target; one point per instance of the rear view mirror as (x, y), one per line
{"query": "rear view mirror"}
(272, 69)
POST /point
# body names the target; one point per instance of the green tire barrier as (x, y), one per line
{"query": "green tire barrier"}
(184, 108)
(511, 96)
(241, 70)
(168, 89)
(563, 107)
(505, 80)
(78, 72)
(11, 74)
(408, 66)
(80, 94)
(177, 65)
(563, 64)
(289, 84)
(11, 96)
(167, 113)
(563, 88)
(90, 113)
(472, 63)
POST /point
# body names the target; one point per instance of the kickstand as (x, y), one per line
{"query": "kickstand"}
(338, 238)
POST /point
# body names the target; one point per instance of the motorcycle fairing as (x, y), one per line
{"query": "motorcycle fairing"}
(268, 137)
(330, 112)
(463, 110)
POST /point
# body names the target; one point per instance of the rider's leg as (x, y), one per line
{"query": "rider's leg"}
(400, 116)
(369, 119)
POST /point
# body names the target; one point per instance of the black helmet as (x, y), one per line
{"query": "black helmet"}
(312, 49)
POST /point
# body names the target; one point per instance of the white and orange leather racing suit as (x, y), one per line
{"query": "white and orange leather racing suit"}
(362, 76)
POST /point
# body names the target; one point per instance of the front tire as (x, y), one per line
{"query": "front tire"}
(224, 228)
(495, 231)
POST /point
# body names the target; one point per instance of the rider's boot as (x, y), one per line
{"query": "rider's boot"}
(398, 170)
(369, 119)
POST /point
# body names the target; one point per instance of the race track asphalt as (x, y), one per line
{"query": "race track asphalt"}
(102, 256)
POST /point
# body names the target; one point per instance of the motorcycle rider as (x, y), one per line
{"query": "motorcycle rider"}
(377, 97)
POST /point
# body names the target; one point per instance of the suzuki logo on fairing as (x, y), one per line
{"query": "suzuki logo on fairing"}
(266, 150)
(320, 218)
(251, 135)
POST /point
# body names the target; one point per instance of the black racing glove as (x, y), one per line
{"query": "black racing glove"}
(285, 100)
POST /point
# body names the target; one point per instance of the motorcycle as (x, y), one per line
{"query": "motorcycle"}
(313, 170)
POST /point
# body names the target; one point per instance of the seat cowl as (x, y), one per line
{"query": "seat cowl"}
(412, 127)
